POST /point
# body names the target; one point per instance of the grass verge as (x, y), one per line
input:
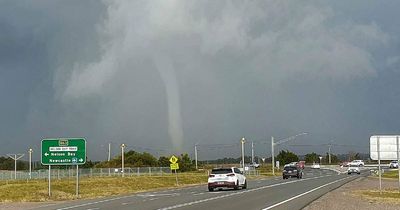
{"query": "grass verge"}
(387, 196)
(37, 190)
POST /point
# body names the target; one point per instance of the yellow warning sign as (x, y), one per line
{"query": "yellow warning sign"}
(174, 166)
(173, 159)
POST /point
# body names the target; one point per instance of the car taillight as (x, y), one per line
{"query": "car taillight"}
(211, 175)
(230, 175)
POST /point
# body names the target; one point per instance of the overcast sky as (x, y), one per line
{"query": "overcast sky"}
(161, 76)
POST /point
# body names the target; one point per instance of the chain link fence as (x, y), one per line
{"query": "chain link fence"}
(85, 172)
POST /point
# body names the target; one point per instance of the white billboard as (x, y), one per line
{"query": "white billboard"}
(387, 147)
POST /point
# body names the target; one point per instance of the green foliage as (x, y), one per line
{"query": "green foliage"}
(311, 157)
(185, 164)
(334, 158)
(7, 163)
(285, 157)
(163, 161)
(137, 159)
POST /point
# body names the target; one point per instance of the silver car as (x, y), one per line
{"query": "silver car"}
(353, 168)
(394, 164)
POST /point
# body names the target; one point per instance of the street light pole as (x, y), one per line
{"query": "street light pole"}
(15, 157)
(280, 142)
(243, 141)
(30, 162)
(273, 155)
(252, 152)
(329, 153)
(122, 159)
(195, 155)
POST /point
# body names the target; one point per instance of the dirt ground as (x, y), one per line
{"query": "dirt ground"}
(348, 196)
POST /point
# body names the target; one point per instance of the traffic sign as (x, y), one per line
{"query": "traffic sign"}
(388, 147)
(173, 159)
(174, 166)
(64, 151)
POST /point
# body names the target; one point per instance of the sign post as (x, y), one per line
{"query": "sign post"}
(64, 151)
(174, 166)
(385, 147)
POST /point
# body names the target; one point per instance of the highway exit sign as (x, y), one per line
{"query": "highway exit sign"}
(64, 151)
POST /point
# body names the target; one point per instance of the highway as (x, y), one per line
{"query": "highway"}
(268, 193)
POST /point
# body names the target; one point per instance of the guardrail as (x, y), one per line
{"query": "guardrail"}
(85, 172)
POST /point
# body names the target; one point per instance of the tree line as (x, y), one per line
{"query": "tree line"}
(131, 159)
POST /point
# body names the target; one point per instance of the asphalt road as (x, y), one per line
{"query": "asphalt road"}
(270, 193)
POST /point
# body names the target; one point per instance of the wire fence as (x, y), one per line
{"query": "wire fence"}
(84, 172)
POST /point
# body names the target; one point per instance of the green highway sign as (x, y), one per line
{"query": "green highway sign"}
(64, 151)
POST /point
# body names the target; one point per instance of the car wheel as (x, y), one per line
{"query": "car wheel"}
(245, 185)
(210, 189)
(236, 187)
(349, 173)
(358, 173)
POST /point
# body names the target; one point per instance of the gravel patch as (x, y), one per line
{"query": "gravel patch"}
(348, 196)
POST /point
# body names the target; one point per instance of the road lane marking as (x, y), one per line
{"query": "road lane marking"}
(158, 194)
(96, 202)
(305, 193)
(130, 196)
(238, 193)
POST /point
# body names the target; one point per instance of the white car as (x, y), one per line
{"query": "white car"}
(353, 168)
(226, 178)
(357, 162)
(394, 164)
(315, 166)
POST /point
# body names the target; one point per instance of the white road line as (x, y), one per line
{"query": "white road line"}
(127, 203)
(238, 193)
(96, 202)
(198, 194)
(305, 193)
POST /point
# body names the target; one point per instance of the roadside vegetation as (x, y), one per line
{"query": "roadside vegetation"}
(37, 190)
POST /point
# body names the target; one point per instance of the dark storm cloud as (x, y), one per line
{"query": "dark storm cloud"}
(168, 74)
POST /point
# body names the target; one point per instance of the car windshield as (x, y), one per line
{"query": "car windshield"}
(353, 165)
(221, 171)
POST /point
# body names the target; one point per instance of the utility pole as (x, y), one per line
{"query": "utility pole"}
(109, 158)
(273, 155)
(280, 142)
(243, 141)
(109, 152)
(329, 153)
(195, 155)
(252, 152)
(122, 155)
(15, 157)
(30, 162)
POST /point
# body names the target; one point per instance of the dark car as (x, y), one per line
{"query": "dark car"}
(292, 171)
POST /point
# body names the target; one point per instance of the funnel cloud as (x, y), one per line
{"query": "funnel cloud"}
(166, 75)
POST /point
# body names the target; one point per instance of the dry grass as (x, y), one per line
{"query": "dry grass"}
(387, 196)
(391, 174)
(36, 190)
(94, 187)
